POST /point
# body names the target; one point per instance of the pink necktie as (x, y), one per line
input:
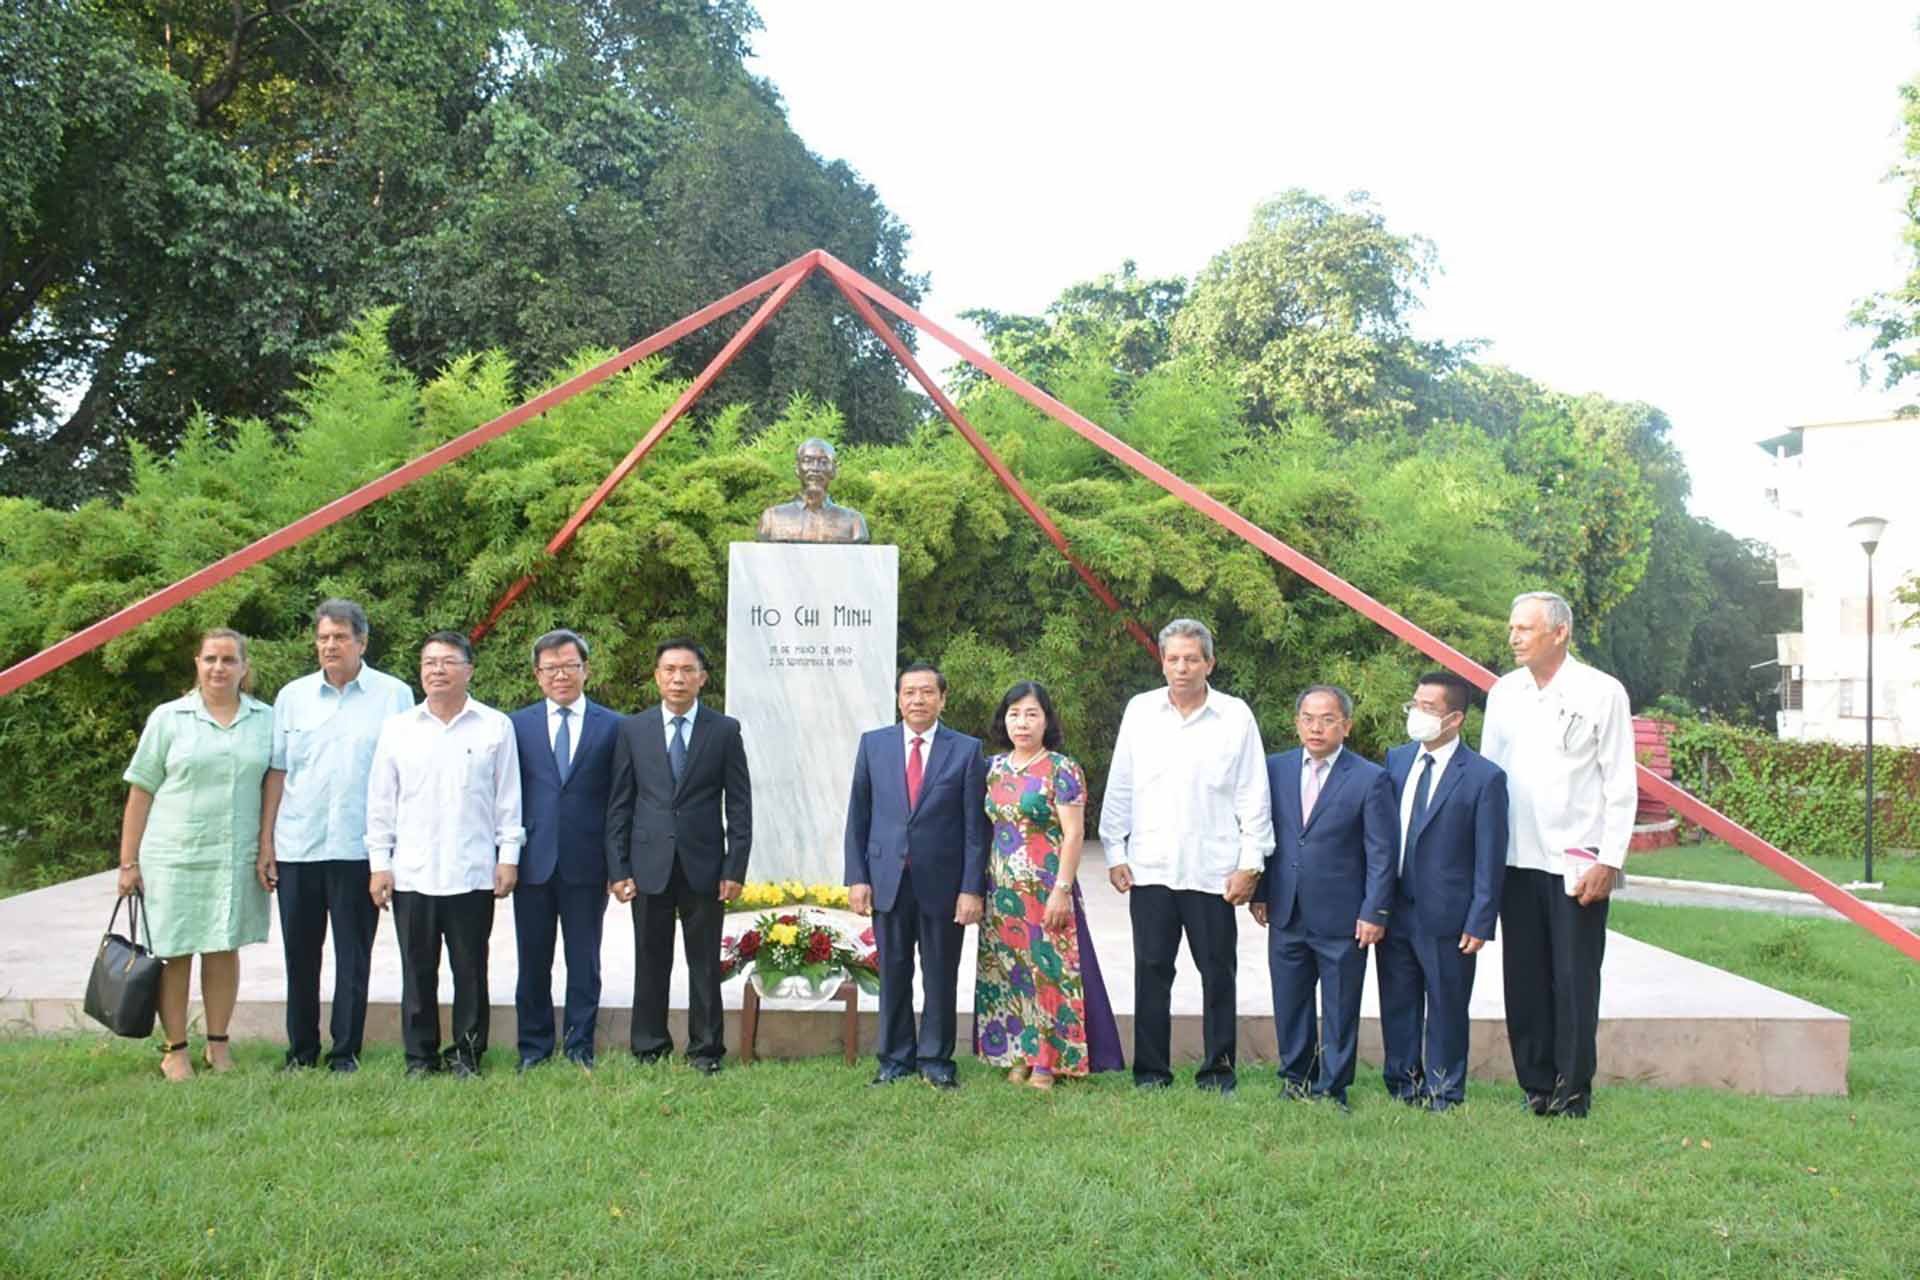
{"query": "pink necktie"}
(1307, 801)
(914, 775)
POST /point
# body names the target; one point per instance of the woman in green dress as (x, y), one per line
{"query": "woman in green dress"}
(190, 836)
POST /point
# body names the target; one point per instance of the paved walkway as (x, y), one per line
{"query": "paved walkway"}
(1740, 897)
(1664, 1018)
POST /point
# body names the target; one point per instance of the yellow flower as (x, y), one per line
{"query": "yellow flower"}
(784, 934)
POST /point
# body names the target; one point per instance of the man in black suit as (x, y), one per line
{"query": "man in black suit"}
(566, 772)
(674, 767)
(916, 848)
(1453, 864)
(1326, 892)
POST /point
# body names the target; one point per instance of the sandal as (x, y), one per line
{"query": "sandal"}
(1042, 1079)
(225, 1064)
(1018, 1074)
(185, 1072)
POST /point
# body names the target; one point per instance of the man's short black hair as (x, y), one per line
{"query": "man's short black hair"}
(681, 642)
(1459, 692)
(453, 640)
(939, 678)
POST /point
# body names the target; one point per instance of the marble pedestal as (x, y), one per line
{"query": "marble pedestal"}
(812, 636)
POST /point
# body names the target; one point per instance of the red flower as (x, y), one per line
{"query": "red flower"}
(750, 944)
(789, 920)
(819, 947)
(727, 966)
(866, 935)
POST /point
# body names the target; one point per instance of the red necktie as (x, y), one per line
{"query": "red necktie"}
(913, 775)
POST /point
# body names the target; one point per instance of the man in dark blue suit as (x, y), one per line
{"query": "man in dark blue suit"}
(916, 848)
(565, 742)
(1325, 893)
(1453, 865)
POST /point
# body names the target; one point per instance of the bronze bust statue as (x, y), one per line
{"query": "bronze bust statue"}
(813, 517)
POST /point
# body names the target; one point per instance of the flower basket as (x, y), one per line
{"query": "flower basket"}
(796, 955)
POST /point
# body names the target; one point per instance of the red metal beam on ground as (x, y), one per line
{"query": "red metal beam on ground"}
(995, 464)
(92, 637)
(1696, 810)
(695, 389)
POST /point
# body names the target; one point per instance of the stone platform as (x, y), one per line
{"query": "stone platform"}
(1664, 1019)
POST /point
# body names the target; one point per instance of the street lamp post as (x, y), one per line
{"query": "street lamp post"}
(1869, 529)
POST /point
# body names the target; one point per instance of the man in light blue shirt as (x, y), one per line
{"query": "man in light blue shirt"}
(313, 828)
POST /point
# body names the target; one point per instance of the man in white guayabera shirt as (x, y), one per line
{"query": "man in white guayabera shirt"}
(1187, 826)
(443, 841)
(1564, 734)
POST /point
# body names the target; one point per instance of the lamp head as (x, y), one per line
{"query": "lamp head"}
(1869, 529)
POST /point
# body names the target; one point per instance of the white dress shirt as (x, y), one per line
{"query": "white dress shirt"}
(666, 722)
(1568, 753)
(1187, 802)
(443, 799)
(1440, 757)
(906, 745)
(1306, 771)
(576, 712)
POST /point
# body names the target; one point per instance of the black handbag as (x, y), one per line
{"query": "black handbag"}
(124, 987)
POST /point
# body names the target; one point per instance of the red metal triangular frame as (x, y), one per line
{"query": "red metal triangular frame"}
(862, 294)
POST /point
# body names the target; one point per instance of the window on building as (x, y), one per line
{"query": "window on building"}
(1792, 693)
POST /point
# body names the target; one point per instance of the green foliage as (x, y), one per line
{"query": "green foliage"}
(1805, 797)
(197, 199)
(982, 590)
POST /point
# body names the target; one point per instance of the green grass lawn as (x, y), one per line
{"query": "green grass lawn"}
(1723, 864)
(799, 1168)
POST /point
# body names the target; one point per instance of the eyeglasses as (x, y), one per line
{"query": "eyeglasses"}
(441, 664)
(561, 669)
(1320, 722)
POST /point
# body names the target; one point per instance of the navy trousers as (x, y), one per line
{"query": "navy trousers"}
(464, 923)
(701, 917)
(310, 895)
(541, 914)
(897, 934)
(1425, 986)
(1298, 961)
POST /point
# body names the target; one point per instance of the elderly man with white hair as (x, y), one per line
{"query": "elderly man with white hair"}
(1564, 734)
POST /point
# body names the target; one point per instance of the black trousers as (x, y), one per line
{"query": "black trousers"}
(909, 926)
(1551, 962)
(464, 922)
(310, 894)
(1159, 916)
(541, 914)
(701, 916)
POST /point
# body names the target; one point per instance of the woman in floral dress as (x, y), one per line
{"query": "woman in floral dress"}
(1039, 993)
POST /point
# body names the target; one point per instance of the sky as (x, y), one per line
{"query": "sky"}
(1675, 203)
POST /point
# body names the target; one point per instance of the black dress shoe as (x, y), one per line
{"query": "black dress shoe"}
(942, 1082)
(1153, 1082)
(420, 1070)
(1224, 1088)
(462, 1067)
(889, 1075)
(1441, 1104)
(650, 1057)
(1570, 1106)
(1337, 1100)
(343, 1066)
(1538, 1102)
(705, 1066)
(298, 1064)
(582, 1060)
(528, 1063)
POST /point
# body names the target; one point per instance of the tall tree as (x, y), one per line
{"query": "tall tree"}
(1309, 313)
(197, 196)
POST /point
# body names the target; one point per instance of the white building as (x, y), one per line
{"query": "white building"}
(1824, 476)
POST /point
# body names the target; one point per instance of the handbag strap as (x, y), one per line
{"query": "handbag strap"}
(138, 929)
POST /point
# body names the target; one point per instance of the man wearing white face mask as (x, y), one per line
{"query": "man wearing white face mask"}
(1452, 862)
